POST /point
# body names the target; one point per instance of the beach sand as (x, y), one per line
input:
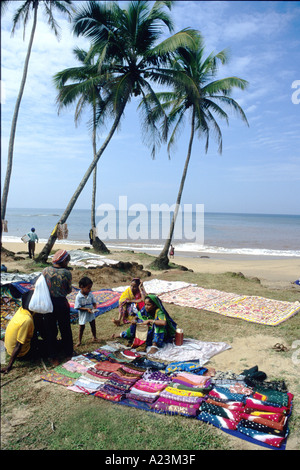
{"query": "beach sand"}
(279, 272)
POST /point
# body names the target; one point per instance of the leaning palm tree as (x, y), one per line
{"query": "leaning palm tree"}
(126, 39)
(23, 13)
(195, 94)
(86, 89)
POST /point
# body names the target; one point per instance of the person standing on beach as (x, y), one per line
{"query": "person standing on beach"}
(59, 281)
(172, 251)
(33, 238)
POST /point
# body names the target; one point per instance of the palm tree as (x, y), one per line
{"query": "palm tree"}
(87, 89)
(196, 94)
(126, 40)
(23, 13)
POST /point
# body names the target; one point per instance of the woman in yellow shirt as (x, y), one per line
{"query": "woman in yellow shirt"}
(19, 334)
(133, 297)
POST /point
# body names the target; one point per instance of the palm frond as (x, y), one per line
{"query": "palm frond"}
(187, 37)
(51, 20)
(224, 85)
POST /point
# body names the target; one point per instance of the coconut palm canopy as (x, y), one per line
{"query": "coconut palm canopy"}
(129, 59)
(197, 93)
(23, 14)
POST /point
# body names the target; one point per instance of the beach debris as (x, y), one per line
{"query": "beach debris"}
(280, 347)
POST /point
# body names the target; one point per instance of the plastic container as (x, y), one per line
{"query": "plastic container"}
(179, 337)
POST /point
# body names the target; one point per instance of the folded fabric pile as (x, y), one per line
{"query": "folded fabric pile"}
(187, 366)
(184, 394)
(192, 380)
(148, 389)
(259, 412)
(68, 373)
(120, 380)
(245, 405)
(265, 417)
(222, 408)
(227, 378)
(146, 363)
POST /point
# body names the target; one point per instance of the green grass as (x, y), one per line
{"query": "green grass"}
(57, 419)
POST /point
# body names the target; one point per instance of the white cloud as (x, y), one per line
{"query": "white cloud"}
(264, 50)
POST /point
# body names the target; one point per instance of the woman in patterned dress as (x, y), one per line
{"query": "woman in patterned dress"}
(161, 327)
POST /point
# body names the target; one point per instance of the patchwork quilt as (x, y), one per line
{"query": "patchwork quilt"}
(106, 300)
(250, 308)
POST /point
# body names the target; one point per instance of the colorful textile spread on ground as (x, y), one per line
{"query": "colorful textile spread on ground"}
(158, 286)
(250, 308)
(106, 300)
(251, 409)
(8, 307)
(259, 310)
(10, 301)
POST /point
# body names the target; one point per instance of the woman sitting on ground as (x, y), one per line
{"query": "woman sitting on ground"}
(152, 326)
(130, 302)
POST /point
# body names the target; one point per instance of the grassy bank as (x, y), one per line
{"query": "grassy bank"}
(40, 415)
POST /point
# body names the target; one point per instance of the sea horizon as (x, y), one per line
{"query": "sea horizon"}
(237, 234)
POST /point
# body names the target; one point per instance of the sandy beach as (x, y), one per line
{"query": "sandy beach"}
(278, 272)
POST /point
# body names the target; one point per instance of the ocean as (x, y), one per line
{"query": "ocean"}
(207, 234)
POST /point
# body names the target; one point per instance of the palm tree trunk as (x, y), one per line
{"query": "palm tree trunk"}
(15, 118)
(43, 256)
(97, 244)
(162, 261)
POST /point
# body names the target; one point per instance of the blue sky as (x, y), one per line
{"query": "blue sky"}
(259, 169)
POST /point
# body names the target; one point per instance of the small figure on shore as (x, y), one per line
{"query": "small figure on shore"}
(33, 238)
(172, 251)
(85, 303)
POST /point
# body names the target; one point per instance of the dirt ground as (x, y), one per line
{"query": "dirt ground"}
(256, 350)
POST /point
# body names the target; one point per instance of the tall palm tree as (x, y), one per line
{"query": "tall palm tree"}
(23, 13)
(126, 39)
(195, 94)
(86, 89)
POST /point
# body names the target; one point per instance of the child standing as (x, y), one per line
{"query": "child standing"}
(85, 302)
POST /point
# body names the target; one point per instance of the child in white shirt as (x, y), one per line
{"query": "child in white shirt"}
(85, 303)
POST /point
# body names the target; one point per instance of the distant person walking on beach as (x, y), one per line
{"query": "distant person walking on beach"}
(172, 250)
(31, 243)
(85, 303)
